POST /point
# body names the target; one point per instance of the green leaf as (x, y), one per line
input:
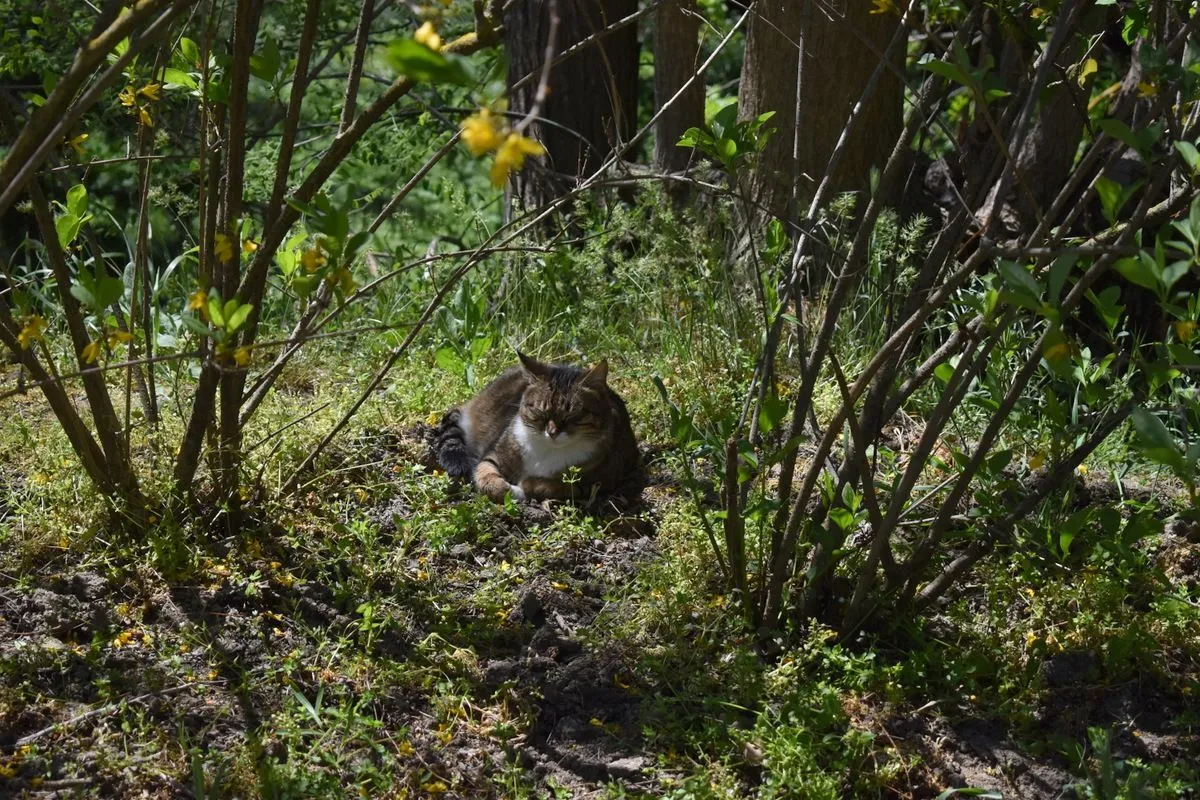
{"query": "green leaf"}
(108, 290)
(1157, 442)
(1140, 269)
(177, 77)
(1120, 131)
(773, 410)
(190, 50)
(841, 517)
(195, 326)
(1019, 279)
(67, 227)
(84, 295)
(77, 200)
(1189, 153)
(238, 317)
(450, 361)
(215, 312)
(1110, 198)
(951, 72)
(265, 64)
(1059, 271)
(422, 65)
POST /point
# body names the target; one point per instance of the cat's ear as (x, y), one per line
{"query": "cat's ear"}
(533, 367)
(597, 376)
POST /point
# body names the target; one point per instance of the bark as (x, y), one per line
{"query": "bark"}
(591, 104)
(768, 83)
(842, 44)
(676, 46)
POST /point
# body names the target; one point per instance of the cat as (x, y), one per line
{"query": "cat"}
(531, 425)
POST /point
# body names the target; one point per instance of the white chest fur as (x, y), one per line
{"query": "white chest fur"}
(549, 458)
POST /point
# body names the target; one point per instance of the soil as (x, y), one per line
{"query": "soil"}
(83, 654)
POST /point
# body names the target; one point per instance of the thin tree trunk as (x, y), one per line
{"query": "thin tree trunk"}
(676, 46)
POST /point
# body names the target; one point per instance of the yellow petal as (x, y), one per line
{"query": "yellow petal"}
(145, 118)
(33, 328)
(1147, 89)
(1089, 67)
(90, 352)
(479, 133)
(1185, 329)
(223, 247)
(119, 337)
(249, 246)
(127, 97)
(1037, 461)
(151, 90)
(198, 300)
(242, 355)
(428, 36)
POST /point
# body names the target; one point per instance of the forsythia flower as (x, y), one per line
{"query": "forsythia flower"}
(1185, 329)
(33, 328)
(242, 355)
(118, 337)
(77, 143)
(1058, 350)
(428, 36)
(884, 7)
(480, 134)
(1146, 89)
(511, 155)
(1037, 461)
(150, 90)
(198, 301)
(249, 246)
(223, 247)
(311, 259)
(90, 352)
(145, 118)
(127, 97)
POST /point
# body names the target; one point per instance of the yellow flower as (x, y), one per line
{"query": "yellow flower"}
(249, 246)
(428, 36)
(1058, 350)
(242, 355)
(77, 143)
(145, 118)
(150, 90)
(1081, 469)
(885, 7)
(1147, 89)
(90, 352)
(311, 259)
(511, 156)
(33, 329)
(405, 748)
(1185, 329)
(127, 97)
(1037, 461)
(480, 134)
(223, 247)
(119, 337)
(198, 301)
(435, 787)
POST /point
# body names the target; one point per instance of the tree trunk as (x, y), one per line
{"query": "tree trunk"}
(768, 83)
(591, 104)
(676, 45)
(842, 43)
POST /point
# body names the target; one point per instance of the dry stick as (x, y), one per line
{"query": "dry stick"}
(925, 550)
(953, 393)
(802, 406)
(350, 103)
(107, 367)
(848, 276)
(783, 535)
(979, 548)
(46, 128)
(108, 709)
(291, 123)
(89, 452)
(802, 250)
(245, 29)
(300, 333)
(550, 208)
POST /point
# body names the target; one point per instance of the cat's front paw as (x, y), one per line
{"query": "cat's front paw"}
(517, 492)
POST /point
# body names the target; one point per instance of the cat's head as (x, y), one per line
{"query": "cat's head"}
(565, 404)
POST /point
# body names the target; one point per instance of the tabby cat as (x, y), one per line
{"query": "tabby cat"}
(525, 431)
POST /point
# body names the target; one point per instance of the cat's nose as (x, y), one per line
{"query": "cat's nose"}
(551, 429)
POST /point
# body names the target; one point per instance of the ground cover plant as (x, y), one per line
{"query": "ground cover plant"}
(902, 299)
